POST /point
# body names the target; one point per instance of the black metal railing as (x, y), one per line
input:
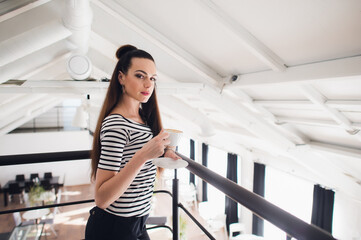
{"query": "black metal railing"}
(175, 205)
(292, 225)
(77, 155)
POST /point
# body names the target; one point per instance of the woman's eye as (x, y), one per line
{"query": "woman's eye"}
(139, 76)
(153, 79)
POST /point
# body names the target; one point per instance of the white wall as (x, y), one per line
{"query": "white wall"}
(346, 218)
(75, 172)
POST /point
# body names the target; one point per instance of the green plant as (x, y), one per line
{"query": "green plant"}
(182, 227)
(35, 194)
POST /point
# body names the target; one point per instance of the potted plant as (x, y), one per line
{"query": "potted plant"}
(35, 194)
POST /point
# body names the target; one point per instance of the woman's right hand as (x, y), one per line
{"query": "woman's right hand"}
(155, 147)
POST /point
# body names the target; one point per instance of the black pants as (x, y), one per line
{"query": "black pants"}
(102, 225)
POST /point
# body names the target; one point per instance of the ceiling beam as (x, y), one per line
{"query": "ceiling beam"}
(11, 108)
(315, 122)
(22, 9)
(240, 95)
(256, 47)
(318, 99)
(45, 67)
(30, 41)
(338, 69)
(342, 151)
(114, 9)
(31, 113)
(343, 105)
(248, 120)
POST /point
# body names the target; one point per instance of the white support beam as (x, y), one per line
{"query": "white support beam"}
(23, 9)
(248, 120)
(240, 95)
(193, 115)
(30, 114)
(13, 107)
(45, 67)
(256, 47)
(84, 87)
(347, 152)
(318, 99)
(339, 69)
(31, 41)
(346, 159)
(55, 86)
(315, 122)
(343, 105)
(149, 33)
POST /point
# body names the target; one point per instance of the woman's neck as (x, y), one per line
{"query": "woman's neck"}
(129, 109)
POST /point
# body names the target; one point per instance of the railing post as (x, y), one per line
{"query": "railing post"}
(175, 191)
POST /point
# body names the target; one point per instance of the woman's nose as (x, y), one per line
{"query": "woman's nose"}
(148, 83)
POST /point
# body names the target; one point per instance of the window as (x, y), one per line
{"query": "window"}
(290, 193)
(217, 162)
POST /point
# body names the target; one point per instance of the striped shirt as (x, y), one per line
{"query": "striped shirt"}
(120, 139)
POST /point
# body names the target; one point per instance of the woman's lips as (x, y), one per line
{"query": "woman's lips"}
(145, 93)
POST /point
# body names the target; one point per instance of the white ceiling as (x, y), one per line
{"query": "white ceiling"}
(296, 103)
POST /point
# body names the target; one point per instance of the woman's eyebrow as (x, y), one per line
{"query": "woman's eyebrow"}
(155, 75)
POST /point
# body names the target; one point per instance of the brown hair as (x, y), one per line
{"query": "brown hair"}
(149, 111)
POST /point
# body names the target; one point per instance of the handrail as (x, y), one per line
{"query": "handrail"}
(180, 205)
(43, 157)
(292, 225)
(46, 206)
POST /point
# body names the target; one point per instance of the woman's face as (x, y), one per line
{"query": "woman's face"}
(140, 80)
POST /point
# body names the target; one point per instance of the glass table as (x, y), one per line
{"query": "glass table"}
(29, 232)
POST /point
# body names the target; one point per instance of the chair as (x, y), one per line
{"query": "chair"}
(214, 221)
(19, 221)
(28, 186)
(48, 175)
(45, 183)
(20, 178)
(14, 189)
(50, 218)
(235, 230)
(33, 176)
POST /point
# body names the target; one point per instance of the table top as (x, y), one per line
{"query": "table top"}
(35, 214)
(29, 232)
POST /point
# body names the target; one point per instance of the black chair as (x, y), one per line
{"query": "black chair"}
(34, 176)
(20, 178)
(45, 183)
(28, 186)
(48, 175)
(14, 189)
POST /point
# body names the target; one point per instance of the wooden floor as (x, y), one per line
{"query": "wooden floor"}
(71, 220)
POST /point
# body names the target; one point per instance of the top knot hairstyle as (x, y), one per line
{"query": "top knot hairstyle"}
(126, 53)
(149, 111)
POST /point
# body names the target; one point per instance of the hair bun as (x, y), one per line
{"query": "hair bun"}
(123, 50)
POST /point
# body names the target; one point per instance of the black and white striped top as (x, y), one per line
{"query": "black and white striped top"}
(120, 139)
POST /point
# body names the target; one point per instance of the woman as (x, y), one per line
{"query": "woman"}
(128, 135)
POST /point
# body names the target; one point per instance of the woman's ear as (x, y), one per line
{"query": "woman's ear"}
(121, 78)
